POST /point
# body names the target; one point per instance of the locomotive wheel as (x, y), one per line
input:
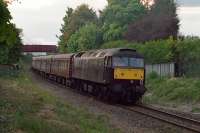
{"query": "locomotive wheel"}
(84, 87)
(96, 90)
(100, 93)
(109, 96)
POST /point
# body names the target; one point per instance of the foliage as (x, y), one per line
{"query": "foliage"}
(112, 32)
(175, 90)
(73, 21)
(112, 24)
(189, 49)
(10, 40)
(88, 37)
(8, 71)
(154, 51)
(117, 15)
(25, 107)
(160, 22)
(188, 56)
(153, 75)
(4, 13)
(185, 52)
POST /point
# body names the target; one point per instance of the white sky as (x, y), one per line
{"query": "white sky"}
(41, 19)
(190, 20)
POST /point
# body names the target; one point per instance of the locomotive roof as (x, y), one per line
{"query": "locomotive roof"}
(110, 52)
(42, 57)
(63, 56)
(60, 56)
(95, 53)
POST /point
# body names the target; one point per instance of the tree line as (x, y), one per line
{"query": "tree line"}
(131, 20)
(10, 37)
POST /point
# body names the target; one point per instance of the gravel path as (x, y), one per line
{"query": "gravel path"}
(126, 121)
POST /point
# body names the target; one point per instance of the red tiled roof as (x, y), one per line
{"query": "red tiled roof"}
(40, 48)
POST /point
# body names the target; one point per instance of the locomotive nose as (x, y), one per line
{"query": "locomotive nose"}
(129, 74)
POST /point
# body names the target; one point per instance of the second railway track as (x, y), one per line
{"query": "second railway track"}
(171, 118)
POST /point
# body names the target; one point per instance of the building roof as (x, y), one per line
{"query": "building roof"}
(40, 48)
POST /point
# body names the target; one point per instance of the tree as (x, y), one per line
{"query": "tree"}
(88, 37)
(117, 15)
(10, 40)
(65, 30)
(73, 21)
(160, 22)
(112, 32)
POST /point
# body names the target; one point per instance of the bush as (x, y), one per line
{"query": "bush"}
(175, 90)
(153, 51)
(162, 51)
(9, 72)
(152, 75)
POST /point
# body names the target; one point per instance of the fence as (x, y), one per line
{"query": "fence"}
(190, 68)
(162, 70)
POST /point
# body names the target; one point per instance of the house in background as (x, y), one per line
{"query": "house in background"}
(39, 50)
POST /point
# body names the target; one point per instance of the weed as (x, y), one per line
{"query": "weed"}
(28, 108)
(174, 90)
(196, 110)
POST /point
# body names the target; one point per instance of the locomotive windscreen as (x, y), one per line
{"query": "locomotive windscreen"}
(128, 62)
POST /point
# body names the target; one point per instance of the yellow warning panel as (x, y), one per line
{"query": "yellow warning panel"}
(130, 74)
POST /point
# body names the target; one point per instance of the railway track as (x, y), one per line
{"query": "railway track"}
(171, 118)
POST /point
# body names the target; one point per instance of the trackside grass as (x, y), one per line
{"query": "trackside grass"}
(26, 108)
(175, 91)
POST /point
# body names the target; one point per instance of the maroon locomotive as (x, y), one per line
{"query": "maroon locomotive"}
(117, 74)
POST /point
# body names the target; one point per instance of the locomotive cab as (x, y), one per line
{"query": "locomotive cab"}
(127, 69)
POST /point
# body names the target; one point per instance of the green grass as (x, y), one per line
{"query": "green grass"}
(196, 110)
(25, 107)
(173, 90)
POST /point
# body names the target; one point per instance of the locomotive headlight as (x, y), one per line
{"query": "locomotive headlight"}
(141, 82)
(132, 81)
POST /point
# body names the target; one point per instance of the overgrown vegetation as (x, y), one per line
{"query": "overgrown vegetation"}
(25, 107)
(10, 37)
(173, 90)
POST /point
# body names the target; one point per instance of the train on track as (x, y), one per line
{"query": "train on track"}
(111, 74)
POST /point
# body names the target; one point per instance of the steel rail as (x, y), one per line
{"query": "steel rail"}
(171, 114)
(192, 125)
(138, 108)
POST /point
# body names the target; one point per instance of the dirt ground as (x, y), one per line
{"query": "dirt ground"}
(126, 121)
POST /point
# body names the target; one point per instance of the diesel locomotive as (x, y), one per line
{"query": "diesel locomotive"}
(111, 74)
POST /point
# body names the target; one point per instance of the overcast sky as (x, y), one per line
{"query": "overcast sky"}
(41, 19)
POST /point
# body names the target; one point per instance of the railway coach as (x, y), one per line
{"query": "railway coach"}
(112, 74)
(55, 67)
